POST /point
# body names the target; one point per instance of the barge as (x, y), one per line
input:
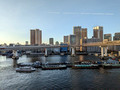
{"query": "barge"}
(85, 66)
(25, 69)
(52, 67)
(24, 64)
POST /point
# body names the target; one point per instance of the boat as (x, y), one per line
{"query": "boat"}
(115, 65)
(111, 64)
(52, 67)
(37, 64)
(25, 69)
(107, 66)
(85, 66)
(24, 64)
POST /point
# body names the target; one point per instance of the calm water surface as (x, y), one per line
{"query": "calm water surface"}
(68, 79)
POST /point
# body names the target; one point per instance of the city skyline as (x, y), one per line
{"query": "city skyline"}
(18, 17)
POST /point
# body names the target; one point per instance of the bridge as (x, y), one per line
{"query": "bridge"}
(29, 48)
(103, 45)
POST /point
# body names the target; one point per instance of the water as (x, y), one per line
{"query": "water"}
(68, 79)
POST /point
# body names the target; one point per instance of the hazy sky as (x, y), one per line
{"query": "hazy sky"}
(55, 18)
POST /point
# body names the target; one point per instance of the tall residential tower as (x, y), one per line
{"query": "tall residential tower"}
(98, 32)
(51, 41)
(65, 38)
(35, 37)
(77, 32)
(108, 37)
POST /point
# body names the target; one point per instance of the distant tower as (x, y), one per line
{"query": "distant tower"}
(84, 33)
(51, 41)
(116, 36)
(65, 38)
(72, 39)
(35, 37)
(77, 32)
(108, 37)
(98, 32)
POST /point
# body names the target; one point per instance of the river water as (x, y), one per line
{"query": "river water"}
(68, 79)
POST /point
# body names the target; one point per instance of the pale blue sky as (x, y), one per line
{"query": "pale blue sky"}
(55, 18)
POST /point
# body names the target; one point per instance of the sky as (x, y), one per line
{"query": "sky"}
(55, 18)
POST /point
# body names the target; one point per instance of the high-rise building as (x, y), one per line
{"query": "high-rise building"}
(98, 32)
(108, 37)
(95, 48)
(65, 38)
(72, 39)
(116, 36)
(77, 32)
(51, 41)
(84, 33)
(35, 37)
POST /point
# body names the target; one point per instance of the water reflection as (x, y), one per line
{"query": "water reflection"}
(81, 58)
(14, 63)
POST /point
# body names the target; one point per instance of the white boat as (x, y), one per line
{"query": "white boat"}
(25, 69)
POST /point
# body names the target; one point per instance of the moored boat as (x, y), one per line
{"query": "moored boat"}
(52, 67)
(25, 64)
(37, 64)
(85, 66)
(25, 69)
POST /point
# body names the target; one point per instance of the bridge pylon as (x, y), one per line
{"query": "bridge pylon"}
(104, 51)
(46, 52)
(72, 51)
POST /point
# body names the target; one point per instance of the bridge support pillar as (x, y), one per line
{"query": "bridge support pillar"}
(46, 53)
(73, 52)
(118, 53)
(102, 52)
(106, 51)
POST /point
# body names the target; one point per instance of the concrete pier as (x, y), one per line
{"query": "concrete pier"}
(104, 51)
(46, 52)
(73, 52)
(118, 53)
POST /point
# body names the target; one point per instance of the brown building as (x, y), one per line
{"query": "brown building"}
(77, 32)
(72, 39)
(51, 41)
(36, 37)
(84, 33)
(108, 37)
(65, 38)
(98, 32)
